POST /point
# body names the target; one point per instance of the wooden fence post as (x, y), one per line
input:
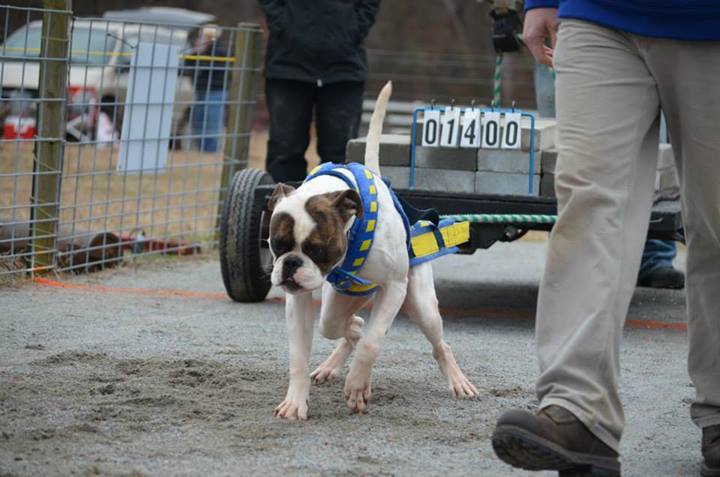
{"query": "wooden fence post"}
(241, 107)
(48, 160)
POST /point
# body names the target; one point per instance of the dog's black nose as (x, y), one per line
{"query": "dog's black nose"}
(290, 266)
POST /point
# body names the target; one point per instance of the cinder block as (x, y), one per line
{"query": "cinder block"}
(457, 159)
(666, 157)
(399, 176)
(394, 150)
(502, 160)
(431, 179)
(548, 161)
(505, 183)
(547, 185)
(544, 134)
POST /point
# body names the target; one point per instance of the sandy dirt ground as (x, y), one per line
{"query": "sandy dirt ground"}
(150, 370)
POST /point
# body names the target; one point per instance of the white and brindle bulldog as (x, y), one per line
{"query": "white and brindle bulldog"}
(308, 238)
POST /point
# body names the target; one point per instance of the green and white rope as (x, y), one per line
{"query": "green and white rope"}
(497, 81)
(503, 218)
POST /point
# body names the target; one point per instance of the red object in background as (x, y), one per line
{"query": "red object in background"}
(83, 101)
(17, 127)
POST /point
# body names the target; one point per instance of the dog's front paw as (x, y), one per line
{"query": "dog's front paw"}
(357, 392)
(324, 372)
(292, 409)
(460, 387)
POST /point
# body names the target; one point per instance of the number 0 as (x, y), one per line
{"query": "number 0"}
(512, 136)
(491, 130)
(431, 129)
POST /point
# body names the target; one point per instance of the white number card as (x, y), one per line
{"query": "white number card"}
(450, 128)
(470, 130)
(491, 130)
(431, 128)
(511, 132)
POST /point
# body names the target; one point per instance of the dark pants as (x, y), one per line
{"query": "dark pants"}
(657, 254)
(338, 108)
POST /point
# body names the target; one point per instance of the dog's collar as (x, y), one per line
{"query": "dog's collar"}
(344, 278)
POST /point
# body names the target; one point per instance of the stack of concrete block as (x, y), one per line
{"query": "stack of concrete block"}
(464, 170)
(548, 159)
(667, 186)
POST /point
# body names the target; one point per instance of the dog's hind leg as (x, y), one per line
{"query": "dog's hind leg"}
(422, 306)
(338, 320)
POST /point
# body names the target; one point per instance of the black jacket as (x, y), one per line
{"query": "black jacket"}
(318, 41)
(209, 74)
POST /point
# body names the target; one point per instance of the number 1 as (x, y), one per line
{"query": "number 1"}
(450, 120)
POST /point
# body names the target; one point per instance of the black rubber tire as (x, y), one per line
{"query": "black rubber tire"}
(246, 279)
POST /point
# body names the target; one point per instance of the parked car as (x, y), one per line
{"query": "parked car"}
(101, 51)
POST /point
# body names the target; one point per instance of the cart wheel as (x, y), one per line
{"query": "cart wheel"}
(245, 261)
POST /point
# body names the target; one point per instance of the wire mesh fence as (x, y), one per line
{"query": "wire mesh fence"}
(150, 121)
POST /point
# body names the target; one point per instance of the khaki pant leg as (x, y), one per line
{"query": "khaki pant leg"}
(608, 117)
(688, 75)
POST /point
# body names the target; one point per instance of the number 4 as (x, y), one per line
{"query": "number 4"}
(470, 132)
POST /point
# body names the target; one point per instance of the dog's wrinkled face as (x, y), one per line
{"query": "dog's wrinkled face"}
(308, 235)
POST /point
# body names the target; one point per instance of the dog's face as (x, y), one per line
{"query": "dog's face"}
(308, 235)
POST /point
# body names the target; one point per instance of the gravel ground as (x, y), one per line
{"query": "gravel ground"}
(150, 370)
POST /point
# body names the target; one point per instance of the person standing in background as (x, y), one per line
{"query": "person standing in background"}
(315, 62)
(210, 81)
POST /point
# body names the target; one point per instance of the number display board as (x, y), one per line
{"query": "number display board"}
(472, 128)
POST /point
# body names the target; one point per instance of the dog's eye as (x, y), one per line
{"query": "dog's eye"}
(280, 246)
(312, 250)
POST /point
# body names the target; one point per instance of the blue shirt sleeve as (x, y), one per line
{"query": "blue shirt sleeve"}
(530, 4)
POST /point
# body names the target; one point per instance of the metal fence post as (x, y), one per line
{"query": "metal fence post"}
(242, 91)
(48, 160)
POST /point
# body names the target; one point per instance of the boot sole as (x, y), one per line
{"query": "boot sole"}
(522, 449)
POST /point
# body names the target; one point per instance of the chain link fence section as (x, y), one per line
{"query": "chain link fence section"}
(27, 169)
(156, 119)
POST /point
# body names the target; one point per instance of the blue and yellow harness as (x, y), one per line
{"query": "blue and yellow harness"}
(425, 240)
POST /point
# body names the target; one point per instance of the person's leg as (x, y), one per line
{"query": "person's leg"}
(198, 118)
(608, 121)
(212, 121)
(656, 267)
(337, 118)
(290, 106)
(657, 254)
(687, 75)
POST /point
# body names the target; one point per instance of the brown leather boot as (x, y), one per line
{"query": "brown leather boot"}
(711, 451)
(552, 439)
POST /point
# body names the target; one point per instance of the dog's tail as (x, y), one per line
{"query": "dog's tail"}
(372, 146)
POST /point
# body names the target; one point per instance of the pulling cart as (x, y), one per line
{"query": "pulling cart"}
(494, 217)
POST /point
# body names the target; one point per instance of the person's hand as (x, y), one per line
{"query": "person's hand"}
(540, 24)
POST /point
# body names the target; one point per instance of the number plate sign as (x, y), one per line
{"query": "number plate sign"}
(470, 130)
(431, 129)
(450, 127)
(511, 133)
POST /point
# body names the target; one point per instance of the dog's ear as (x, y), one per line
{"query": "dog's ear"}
(280, 192)
(347, 203)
